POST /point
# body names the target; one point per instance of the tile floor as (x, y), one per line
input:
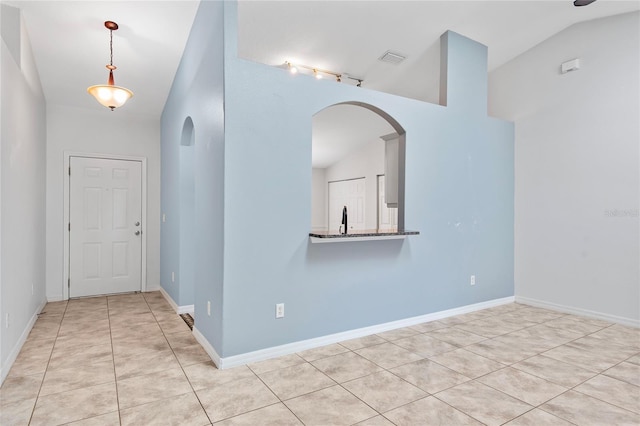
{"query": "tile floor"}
(129, 360)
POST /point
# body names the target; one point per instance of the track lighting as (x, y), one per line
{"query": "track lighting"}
(292, 68)
(319, 73)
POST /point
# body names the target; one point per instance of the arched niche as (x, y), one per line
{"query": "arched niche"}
(356, 148)
(188, 133)
(186, 280)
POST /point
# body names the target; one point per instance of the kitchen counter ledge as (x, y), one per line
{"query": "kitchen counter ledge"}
(364, 235)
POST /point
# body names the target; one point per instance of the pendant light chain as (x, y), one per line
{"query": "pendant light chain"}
(111, 46)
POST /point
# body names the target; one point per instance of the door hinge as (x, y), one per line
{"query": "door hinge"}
(69, 170)
(68, 282)
(69, 226)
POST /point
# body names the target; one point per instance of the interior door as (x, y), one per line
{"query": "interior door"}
(350, 193)
(105, 215)
(387, 217)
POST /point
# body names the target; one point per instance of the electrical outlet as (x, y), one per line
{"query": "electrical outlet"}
(7, 321)
(173, 277)
(208, 308)
(280, 310)
(164, 218)
(473, 280)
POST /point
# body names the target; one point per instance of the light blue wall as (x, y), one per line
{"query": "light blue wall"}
(459, 195)
(197, 92)
(463, 74)
(187, 214)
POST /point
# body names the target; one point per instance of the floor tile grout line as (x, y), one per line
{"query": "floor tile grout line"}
(457, 409)
(568, 363)
(469, 379)
(257, 409)
(113, 352)
(542, 353)
(195, 393)
(511, 364)
(606, 402)
(113, 359)
(556, 415)
(429, 394)
(44, 375)
(507, 365)
(539, 406)
(515, 397)
(400, 365)
(280, 400)
(341, 384)
(306, 393)
(618, 364)
(359, 399)
(602, 374)
(556, 360)
(388, 370)
(336, 383)
(533, 407)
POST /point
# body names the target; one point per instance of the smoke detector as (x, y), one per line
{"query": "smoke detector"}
(392, 57)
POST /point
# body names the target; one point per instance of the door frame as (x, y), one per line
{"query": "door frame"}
(328, 198)
(67, 206)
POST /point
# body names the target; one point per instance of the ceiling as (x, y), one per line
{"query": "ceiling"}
(71, 48)
(348, 37)
(71, 45)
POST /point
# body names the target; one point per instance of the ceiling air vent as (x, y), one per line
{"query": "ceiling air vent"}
(392, 57)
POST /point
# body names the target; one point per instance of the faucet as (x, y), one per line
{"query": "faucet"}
(344, 219)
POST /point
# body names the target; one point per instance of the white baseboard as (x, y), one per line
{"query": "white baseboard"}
(152, 288)
(210, 350)
(4, 370)
(186, 309)
(579, 311)
(290, 348)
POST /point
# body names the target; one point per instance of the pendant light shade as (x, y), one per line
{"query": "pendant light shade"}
(109, 94)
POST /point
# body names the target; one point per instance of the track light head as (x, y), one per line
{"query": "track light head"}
(579, 3)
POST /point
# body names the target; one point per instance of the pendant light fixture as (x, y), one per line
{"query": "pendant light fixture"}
(109, 94)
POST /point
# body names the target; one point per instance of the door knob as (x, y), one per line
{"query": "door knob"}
(137, 223)
(137, 232)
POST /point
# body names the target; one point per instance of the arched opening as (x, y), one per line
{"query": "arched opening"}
(358, 162)
(187, 213)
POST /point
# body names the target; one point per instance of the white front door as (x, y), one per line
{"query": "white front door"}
(105, 215)
(387, 217)
(349, 193)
